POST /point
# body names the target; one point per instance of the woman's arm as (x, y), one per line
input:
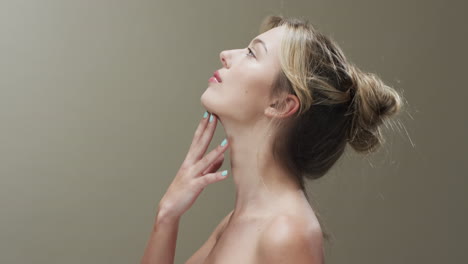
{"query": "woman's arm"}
(162, 242)
(195, 173)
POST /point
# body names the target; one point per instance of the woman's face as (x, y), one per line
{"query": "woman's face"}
(246, 79)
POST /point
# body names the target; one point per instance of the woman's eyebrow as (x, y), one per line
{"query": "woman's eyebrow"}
(257, 40)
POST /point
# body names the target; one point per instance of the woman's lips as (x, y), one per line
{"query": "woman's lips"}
(216, 75)
(213, 79)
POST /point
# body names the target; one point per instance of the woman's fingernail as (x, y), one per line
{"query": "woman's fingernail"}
(205, 115)
(224, 142)
(211, 118)
(224, 173)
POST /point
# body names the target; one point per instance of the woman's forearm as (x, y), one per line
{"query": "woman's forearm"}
(162, 242)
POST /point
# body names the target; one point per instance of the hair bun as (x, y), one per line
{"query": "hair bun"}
(373, 103)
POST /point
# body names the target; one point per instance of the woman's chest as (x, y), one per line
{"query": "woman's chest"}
(236, 244)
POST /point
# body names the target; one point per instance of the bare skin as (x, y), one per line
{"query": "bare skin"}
(265, 192)
(238, 237)
(239, 241)
(272, 221)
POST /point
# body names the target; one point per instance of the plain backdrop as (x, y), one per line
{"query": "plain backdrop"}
(99, 101)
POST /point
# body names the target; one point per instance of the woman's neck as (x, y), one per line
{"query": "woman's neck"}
(259, 180)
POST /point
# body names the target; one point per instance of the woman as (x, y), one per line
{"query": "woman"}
(289, 103)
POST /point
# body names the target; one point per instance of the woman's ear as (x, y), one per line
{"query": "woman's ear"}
(283, 107)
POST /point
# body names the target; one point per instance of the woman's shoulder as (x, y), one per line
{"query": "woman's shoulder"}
(291, 235)
(300, 219)
(296, 209)
(294, 219)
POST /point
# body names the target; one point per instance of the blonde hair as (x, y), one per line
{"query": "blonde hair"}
(339, 103)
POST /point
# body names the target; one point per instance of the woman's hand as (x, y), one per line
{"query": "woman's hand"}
(196, 172)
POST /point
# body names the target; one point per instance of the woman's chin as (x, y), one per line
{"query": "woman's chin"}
(206, 103)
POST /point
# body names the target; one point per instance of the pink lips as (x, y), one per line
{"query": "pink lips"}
(215, 78)
(216, 75)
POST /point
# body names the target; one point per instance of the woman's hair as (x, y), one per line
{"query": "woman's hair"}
(339, 103)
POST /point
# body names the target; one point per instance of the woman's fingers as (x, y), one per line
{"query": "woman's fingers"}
(208, 159)
(205, 139)
(201, 127)
(211, 178)
(215, 165)
(189, 180)
(202, 139)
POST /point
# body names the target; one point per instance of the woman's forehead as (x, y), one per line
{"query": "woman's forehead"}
(271, 39)
(273, 34)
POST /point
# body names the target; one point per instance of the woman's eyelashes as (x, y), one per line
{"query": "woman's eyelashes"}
(250, 52)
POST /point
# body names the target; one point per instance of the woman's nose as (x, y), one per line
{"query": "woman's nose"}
(223, 56)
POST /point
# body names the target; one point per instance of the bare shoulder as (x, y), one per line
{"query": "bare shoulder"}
(222, 225)
(200, 255)
(290, 238)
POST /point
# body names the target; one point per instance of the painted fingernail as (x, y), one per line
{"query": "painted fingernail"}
(211, 118)
(205, 115)
(224, 173)
(224, 142)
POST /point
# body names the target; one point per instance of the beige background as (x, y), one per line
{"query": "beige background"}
(99, 101)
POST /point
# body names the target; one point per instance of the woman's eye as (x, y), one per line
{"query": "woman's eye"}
(250, 52)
